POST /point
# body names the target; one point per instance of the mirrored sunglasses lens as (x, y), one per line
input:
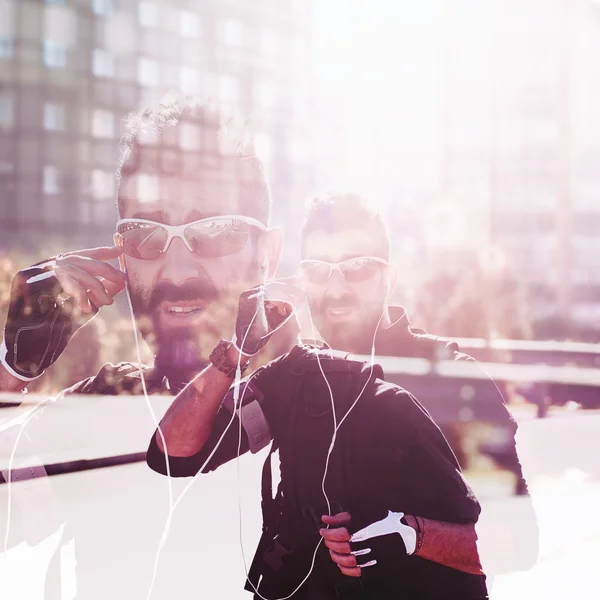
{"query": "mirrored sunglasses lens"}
(316, 272)
(143, 240)
(359, 269)
(218, 238)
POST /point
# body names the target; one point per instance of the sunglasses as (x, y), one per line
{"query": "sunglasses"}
(209, 238)
(353, 270)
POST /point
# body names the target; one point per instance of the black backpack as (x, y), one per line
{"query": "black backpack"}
(291, 519)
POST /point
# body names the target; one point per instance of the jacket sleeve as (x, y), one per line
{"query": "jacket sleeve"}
(435, 486)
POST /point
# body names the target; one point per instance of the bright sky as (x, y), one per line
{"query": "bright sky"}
(384, 65)
(379, 63)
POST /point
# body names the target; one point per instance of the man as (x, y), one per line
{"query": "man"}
(323, 412)
(349, 282)
(194, 211)
(192, 233)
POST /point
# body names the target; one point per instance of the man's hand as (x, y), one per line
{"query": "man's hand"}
(381, 544)
(262, 310)
(337, 540)
(87, 278)
(50, 301)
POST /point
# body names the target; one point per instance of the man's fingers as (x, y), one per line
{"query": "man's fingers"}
(102, 253)
(86, 281)
(89, 282)
(283, 308)
(76, 291)
(350, 572)
(339, 520)
(92, 266)
(339, 534)
(342, 547)
(343, 560)
(113, 288)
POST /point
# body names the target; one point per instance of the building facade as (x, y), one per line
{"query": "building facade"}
(71, 70)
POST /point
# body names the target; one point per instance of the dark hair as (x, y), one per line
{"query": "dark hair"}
(150, 145)
(333, 212)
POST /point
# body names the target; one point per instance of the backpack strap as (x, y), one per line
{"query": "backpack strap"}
(250, 414)
(269, 549)
(269, 508)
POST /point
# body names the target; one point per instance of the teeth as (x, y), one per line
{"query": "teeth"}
(183, 309)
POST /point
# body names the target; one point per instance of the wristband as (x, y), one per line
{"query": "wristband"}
(219, 358)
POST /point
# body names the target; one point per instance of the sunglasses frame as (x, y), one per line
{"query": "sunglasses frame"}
(336, 266)
(178, 231)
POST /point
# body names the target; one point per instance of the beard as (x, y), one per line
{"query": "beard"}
(354, 335)
(180, 352)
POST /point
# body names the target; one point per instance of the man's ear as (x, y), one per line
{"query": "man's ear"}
(118, 240)
(270, 251)
(391, 278)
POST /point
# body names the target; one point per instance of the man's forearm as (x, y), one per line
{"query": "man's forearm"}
(188, 422)
(453, 545)
(10, 383)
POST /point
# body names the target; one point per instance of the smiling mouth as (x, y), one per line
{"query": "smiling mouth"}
(183, 310)
(339, 311)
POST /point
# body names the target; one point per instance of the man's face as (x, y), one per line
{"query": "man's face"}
(346, 313)
(184, 303)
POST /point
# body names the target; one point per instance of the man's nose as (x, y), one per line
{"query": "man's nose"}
(337, 285)
(179, 264)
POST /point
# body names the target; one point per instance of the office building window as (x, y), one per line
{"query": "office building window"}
(147, 72)
(102, 8)
(55, 55)
(54, 117)
(147, 188)
(189, 24)
(148, 14)
(232, 32)
(189, 80)
(102, 184)
(50, 183)
(103, 64)
(228, 89)
(6, 47)
(103, 124)
(7, 115)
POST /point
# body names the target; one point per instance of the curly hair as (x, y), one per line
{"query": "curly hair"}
(152, 144)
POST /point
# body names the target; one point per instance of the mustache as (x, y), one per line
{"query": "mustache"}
(345, 301)
(165, 291)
